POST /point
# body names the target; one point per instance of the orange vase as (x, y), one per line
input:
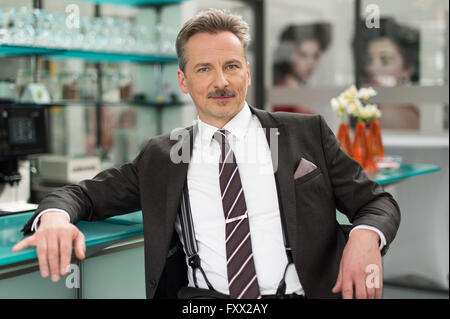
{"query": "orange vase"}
(370, 163)
(343, 137)
(374, 139)
(360, 149)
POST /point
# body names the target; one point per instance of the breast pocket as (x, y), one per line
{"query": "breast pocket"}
(307, 177)
(316, 212)
(313, 192)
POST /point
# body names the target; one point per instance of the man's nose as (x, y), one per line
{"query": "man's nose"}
(220, 80)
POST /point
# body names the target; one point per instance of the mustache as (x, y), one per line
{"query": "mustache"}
(221, 93)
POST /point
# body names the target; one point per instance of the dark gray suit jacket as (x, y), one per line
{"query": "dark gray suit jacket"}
(153, 183)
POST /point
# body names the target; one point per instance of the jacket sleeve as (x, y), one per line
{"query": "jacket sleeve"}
(362, 200)
(114, 191)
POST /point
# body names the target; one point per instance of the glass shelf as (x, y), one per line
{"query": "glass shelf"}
(95, 56)
(134, 3)
(14, 50)
(112, 57)
(403, 172)
(94, 103)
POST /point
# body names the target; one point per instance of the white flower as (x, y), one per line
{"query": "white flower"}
(351, 93)
(370, 112)
(339, 104)
(354, 108)
(364, 113)
(366, 93)
(350, 101)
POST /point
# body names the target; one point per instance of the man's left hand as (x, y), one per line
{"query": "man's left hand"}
(360, 270)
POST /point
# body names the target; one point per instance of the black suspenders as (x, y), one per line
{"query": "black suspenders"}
(190, 243)
(191, 248)
(282, 285)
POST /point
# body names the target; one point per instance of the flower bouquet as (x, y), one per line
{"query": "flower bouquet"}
(365, 146)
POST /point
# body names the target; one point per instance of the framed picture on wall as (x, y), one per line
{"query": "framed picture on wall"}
(309, 47)
(407, 47)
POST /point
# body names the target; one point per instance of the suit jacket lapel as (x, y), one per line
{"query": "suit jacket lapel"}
(177, 173)
(277, 138)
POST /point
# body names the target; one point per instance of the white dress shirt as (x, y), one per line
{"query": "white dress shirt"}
(249, 144)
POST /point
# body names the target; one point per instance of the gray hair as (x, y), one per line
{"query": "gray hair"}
(211, 21)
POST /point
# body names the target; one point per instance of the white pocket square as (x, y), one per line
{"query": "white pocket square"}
(304, 167)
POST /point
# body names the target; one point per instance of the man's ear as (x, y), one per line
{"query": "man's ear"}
(182, 82)
(249, 74)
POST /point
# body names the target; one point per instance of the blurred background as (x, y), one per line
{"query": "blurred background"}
(102, 77)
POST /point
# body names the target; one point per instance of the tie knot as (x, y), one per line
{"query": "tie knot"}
(220, 136)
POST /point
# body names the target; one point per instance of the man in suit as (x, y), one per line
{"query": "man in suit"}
(242, 215)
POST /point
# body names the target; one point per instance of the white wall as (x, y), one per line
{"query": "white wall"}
(419, 255)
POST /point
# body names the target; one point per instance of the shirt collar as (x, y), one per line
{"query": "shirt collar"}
(237, 126)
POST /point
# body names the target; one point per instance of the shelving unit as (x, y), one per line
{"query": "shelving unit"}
(99, 58)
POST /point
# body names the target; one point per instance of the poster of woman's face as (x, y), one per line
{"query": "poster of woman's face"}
(390, 57)
(298, 53)
(390, 54)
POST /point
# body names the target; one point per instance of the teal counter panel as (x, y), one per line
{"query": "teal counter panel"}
(115, 275)
(33, 286)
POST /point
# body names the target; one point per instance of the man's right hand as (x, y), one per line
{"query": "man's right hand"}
(53, 241)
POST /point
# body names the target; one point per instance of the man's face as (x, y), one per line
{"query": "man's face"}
(216, 76)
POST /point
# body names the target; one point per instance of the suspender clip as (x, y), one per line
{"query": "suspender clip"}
(194, 261)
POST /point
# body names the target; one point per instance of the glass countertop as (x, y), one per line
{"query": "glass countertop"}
(99, 232)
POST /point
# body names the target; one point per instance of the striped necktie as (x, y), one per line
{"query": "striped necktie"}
(242, 280)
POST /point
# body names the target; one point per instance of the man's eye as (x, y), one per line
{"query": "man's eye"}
(203, 69)
(232, 66)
